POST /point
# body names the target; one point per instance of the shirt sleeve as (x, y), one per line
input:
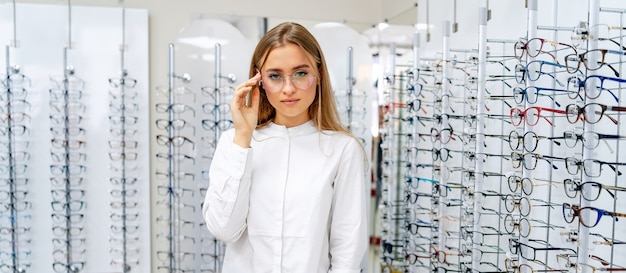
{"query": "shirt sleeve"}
(227, 199)
(348, 227)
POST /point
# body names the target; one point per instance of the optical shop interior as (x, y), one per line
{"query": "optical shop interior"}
(494, 131)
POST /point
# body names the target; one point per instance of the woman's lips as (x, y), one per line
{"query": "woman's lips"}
(290, 101)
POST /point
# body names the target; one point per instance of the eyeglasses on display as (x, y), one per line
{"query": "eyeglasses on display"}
(597, 56)
(531, 115)
(534, 47)
(589, 190)
(591, 167)
(593, 86)
(590, 140)
(587, 216)
(591, 113)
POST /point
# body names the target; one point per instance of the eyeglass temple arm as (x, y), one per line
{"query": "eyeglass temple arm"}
(614, 214)
(558, 111)
(613, 41)
(607, 190)
(612, 68)
(614, 168)
(615, 121)
(607, 90)
(553, 77)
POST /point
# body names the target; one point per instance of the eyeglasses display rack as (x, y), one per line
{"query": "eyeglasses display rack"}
(538, 179)
(216, 109)
(68, 169)
(14, 204)
(479, 135)
(390, 232)
(173, 190)
(123, 153)
(79, 188)
(197, 112)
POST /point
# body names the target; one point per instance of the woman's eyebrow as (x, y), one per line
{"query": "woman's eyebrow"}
(301, 66)
(294, 68)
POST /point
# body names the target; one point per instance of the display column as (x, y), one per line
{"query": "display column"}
(123, 151)
(172, 181)
(15, 202)
(445, 133)
(392, 204)
(588, 153)
(350, 84)
(621, 27)
(480, 132)
(413, 105)
(532, 33)
(178, 255)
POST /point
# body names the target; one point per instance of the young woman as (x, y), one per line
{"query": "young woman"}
(288, 183)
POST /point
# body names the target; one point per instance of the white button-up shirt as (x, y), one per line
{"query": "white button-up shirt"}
(295, 202)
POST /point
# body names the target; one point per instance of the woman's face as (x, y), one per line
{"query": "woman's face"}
(290, 82)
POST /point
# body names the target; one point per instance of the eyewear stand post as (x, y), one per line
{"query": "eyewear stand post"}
(217, 122)
(444, 94)
(505, 45)
(395, 190)
(413, 96)
(172, 168)
(66, 174)
(218, 84)
(123, 139)
(217, 246)
(15, 247)
(592, 43)
(391, 188)
(531, 33)
(14, 43)
(621, 13)
(68, 224)
(177, 172)
(480, 131)
(68, 72)
(349, 85)
(554, 9)
(414, 140)
(465, 61)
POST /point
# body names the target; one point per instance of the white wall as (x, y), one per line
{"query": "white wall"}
(167, 18)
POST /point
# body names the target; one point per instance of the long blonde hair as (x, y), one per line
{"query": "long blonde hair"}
(323, 110)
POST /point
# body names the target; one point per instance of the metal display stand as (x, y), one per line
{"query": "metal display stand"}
(77, 147)
(68, 173)
(522, 217)
(123, 152)
(175, 190)
(480, 133)
(14, 204)
(217, 109)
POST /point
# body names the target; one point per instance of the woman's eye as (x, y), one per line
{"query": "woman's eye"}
(275, 76)
(300, 74)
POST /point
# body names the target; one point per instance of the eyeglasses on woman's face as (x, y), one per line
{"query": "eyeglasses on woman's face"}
(274, 82)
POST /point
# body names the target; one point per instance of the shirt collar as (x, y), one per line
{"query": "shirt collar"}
(274, 129)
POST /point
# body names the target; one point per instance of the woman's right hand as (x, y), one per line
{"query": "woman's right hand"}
(245, 117)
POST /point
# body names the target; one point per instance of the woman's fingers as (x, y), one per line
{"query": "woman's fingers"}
(242, 91)
(255, 98)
